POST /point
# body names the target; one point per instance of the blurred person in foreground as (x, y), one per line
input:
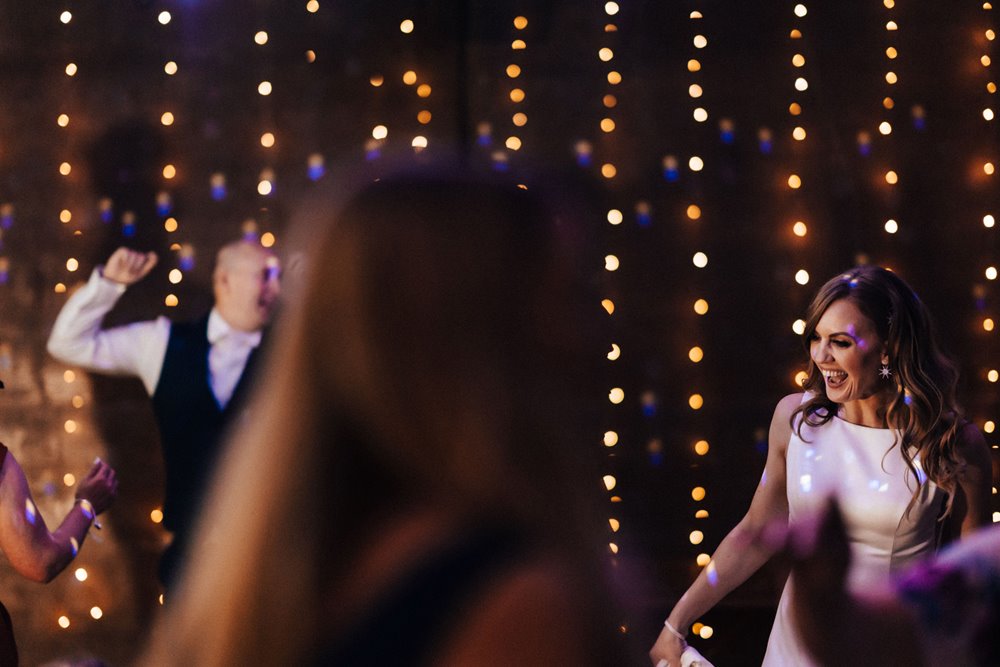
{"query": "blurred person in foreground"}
(878, 427)
(942, 611)
(414, 486)
(196, 373)
(31, 549)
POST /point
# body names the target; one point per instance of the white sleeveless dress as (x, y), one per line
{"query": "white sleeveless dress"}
(859, 467)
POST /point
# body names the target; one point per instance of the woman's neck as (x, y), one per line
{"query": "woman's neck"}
(869, 411)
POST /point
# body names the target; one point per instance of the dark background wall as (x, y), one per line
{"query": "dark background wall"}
(322, 111)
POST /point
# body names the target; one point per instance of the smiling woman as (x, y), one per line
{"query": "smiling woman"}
(848, 351)
(878, 382)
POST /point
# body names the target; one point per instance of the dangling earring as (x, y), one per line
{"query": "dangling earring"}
(885, 372)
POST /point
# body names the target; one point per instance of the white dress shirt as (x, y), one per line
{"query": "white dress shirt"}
(138, 349)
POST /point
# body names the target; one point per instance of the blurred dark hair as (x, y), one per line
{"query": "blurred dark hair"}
(443, 349)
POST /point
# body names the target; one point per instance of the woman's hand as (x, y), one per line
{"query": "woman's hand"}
(667, 647)
(99, 487)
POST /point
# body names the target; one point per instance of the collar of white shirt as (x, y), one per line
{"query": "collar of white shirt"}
(218, 329)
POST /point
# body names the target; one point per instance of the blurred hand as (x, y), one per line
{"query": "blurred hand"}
(820, 557)
(100, 486)
(818, 551)
(129, 266)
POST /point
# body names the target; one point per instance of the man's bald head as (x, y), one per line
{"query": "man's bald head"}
(246, 283)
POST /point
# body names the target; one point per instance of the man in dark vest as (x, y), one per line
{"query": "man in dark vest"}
(197, 373)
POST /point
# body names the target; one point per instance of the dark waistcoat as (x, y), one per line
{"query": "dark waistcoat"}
(192, 424)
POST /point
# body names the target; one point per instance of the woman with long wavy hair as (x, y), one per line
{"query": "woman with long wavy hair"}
(879, 429)
(410, 487)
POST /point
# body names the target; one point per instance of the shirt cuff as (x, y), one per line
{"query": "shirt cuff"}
(106, 284)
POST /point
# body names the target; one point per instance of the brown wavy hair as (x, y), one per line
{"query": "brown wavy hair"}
(922, 407)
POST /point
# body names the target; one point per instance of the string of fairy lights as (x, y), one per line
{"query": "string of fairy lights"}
(165, 210)
(799, 135)
(988, 115)
(606, 126)
(72, 214)
(890, 173)
(697, 220)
